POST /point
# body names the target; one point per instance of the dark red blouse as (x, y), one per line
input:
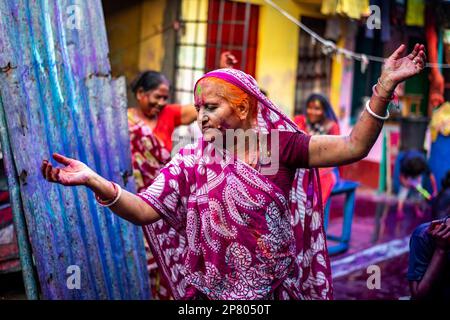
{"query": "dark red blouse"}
(293, 154)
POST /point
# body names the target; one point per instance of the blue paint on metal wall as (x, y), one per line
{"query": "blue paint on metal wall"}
(58, 96)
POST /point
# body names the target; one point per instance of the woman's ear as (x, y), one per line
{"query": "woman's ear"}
(139, 94)
(243, 110)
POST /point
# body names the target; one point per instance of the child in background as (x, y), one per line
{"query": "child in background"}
(440, 207)
(412, 170)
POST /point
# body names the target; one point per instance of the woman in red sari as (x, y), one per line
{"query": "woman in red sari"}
(320, 119)
(250, 232)
(151, 124)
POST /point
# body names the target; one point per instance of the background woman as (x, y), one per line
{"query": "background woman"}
(151, 124)
(319, 119)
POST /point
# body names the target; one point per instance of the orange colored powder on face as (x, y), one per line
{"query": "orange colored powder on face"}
(232, 94)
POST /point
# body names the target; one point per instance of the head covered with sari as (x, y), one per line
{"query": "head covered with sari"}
(243, 238)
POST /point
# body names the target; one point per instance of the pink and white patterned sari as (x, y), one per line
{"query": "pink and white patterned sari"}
(243, 238)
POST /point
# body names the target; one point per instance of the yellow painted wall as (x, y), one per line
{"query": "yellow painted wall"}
(151, 51)
(336, 77)
(134, 37)
(277, 53)
(123, 30)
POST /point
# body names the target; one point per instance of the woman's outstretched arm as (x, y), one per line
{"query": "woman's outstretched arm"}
(75, 173)
(326, 150)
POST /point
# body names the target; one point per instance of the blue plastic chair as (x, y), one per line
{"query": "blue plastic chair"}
(348, 188)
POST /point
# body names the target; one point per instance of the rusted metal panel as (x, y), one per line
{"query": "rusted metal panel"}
(58, 96)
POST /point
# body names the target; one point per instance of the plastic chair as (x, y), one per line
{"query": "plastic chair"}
(348, 188)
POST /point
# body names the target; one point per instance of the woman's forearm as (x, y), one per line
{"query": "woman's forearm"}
(129, 206)
(366, 131)
(435, 269)
(327, 151)
(339, 150)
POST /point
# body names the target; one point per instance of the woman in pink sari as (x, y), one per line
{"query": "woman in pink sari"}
(252, 217)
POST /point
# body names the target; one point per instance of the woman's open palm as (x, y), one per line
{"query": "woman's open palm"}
(73, 173)
(400, 68)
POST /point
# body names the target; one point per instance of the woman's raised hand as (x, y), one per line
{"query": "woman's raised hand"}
(398, 68)
(73, 173)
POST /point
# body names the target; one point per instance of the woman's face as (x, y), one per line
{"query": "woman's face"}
(216, 114)
(153, 101)
(315, 112)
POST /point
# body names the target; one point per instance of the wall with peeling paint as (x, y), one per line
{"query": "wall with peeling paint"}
(57, 95)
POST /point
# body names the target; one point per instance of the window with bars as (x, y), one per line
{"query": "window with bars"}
(208, 29)
(314, 67)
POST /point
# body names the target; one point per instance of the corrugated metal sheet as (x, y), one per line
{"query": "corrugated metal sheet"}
(58, 96)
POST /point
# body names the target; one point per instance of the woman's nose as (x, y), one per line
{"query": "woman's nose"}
(203, 117)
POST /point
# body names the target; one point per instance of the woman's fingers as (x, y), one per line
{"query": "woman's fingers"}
(420, 59)
(437, 229)
(415, 51)
(48, 172)
(446, 236)
(43, 168)
(54, 174)
(442, 231)
(61, 159)
(421, 55)
(398, 53)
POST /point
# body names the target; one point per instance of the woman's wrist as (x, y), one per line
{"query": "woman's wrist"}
(441, 250)
(387, 84)
(101, 187)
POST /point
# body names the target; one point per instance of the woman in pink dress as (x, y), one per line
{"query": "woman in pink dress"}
(252, 217)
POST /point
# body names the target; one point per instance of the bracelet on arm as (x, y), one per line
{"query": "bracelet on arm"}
(375, 92)
(110, 202)
(373, 114)
(392, 99)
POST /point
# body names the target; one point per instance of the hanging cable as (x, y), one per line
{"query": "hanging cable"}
(330, 46)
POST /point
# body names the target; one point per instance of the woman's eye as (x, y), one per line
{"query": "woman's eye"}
(211, 107)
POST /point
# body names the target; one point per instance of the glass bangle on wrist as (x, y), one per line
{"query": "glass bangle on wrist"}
(110, 202)
(375, 92)
(373, 114)
(393, 99)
